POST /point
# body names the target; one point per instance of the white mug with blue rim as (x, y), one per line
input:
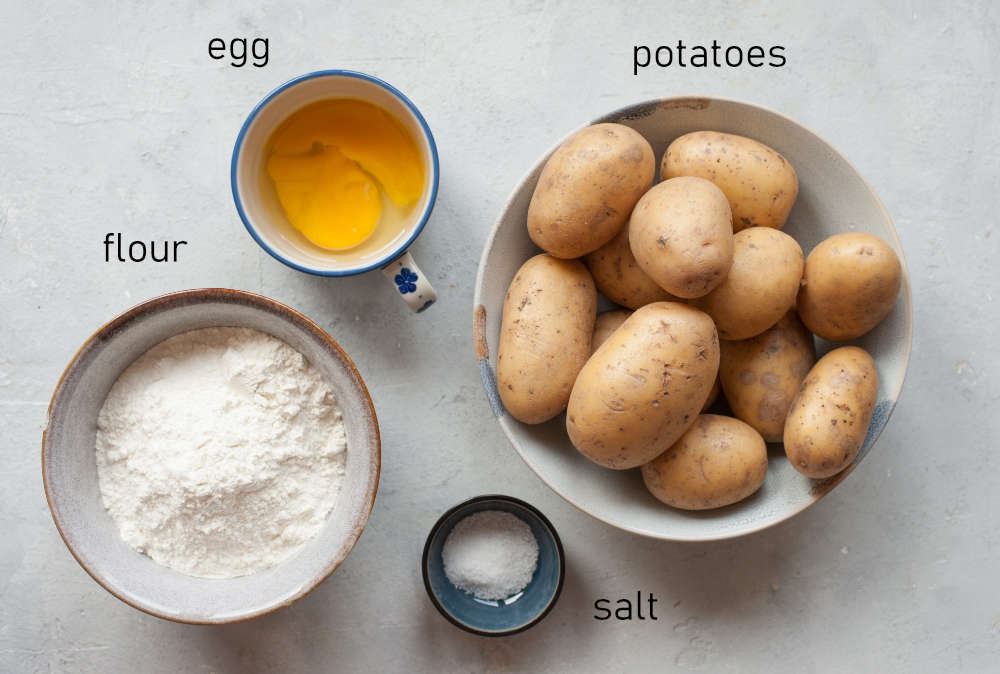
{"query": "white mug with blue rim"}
(261, 212)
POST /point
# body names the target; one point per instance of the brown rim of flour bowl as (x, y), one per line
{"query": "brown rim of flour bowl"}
(69, 468)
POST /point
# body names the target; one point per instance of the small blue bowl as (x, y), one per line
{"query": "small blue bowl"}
(506, 616)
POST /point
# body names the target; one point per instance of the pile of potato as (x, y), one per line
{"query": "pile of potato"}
(716, 294)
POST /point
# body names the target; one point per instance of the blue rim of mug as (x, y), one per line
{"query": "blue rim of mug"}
(425, 216)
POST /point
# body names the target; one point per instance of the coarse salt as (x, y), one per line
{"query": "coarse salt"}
(491, 554)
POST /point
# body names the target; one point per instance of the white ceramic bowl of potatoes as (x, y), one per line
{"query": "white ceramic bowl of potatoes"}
(667, 332)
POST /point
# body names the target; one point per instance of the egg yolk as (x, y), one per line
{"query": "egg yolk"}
(330, 162)
(327, 197)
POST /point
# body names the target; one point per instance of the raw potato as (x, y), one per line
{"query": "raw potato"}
(829, 418)
(851, 283)
(681, 233)
(545, 333)
(761, 285)
(717, 462)
(606, 323)
(644, 386)
(761, 375)
(588, 188)
(618, 276)
(759, 183)
(713, 395)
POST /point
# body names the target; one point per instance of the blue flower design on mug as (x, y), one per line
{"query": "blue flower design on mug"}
(406, 281)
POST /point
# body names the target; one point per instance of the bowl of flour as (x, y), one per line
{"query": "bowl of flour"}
(210, 456)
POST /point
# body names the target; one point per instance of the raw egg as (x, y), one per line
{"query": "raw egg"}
(332, 160)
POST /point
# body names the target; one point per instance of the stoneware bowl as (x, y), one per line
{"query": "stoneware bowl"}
(257, 202)
(833, 197)
(502, 617)
(69, 467)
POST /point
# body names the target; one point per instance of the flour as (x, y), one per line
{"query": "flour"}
(220, 452)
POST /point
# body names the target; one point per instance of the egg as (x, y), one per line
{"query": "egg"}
(332, 164)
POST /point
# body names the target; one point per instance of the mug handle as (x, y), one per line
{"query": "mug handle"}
(410, 283)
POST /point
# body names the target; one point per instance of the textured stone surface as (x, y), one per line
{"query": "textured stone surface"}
(114, 119)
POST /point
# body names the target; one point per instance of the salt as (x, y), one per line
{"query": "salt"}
(491, 554)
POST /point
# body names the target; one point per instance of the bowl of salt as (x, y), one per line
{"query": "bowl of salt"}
(493, 565)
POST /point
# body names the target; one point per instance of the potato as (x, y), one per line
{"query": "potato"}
(713, 395)
(587, 189)
(761, 285)
(545, 333)
(850, 284)
(606, 323)
(644, 386)
(681, 233)
(829, 418)
(618, 276)
(761, 375)
(718, 461)
(759, 183)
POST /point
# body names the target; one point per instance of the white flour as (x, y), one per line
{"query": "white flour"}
(220, 452)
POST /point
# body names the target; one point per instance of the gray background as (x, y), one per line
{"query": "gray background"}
(114, 119)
